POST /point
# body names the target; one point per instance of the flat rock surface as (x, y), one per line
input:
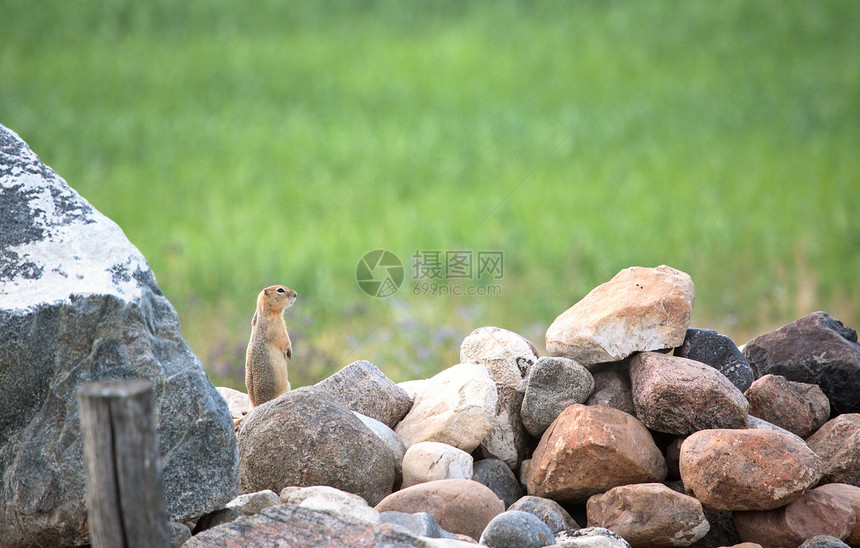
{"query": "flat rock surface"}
(79, 304)
(639, 309)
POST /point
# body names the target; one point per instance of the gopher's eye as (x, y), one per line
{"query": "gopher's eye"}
(281, 290)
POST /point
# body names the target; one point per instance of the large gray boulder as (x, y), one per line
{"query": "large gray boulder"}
(78, 303)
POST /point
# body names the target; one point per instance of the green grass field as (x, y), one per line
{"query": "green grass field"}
(241, 144)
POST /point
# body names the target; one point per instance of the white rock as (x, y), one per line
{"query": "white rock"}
(238, 402)
(507, 439)
(389, 437)
(447, 543)
(639, 309)
(413, 387)
(254, 503)
(590, 537)
(431, 460)
(457, 407)
(322, 497)
(506, 355)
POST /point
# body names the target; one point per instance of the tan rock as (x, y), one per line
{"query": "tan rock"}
(681, 396)
(507, 438)
(851, 495)
(457, 505)
(431, 460)
(321, 497)
(747, 469)
(649, 515)
(238, 402)
(799, 407)
(590, 449)
(254, 503)
(456, 406)
(838, 445)
(639, 309)
(506, 355)
(815, 513)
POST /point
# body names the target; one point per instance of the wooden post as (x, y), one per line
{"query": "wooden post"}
(125, 500)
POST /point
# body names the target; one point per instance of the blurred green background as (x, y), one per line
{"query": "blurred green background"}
(241, 144)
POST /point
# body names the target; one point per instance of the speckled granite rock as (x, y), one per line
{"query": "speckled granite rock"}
(78, 303)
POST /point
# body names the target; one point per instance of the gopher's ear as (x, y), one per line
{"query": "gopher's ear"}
(289, 353)
(253, 320)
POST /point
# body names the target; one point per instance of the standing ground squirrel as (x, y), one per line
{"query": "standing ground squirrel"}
(269, 347)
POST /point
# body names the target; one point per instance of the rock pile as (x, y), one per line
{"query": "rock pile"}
(505, 447)
(643, 430)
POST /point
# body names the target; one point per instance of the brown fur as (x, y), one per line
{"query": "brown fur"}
(269, 347)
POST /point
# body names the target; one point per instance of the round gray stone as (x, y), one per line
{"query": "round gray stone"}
(515, 529)
(501, 480)
(548, 510)
(553, 384)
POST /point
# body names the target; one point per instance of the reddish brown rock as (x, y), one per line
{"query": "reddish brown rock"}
(851, 495)
(590, 449)
(817, 512)
(838, 445)
(649, 515)
(457, 505)
(680, 396)
(747, 469)
(639, 309)
(798, 407)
